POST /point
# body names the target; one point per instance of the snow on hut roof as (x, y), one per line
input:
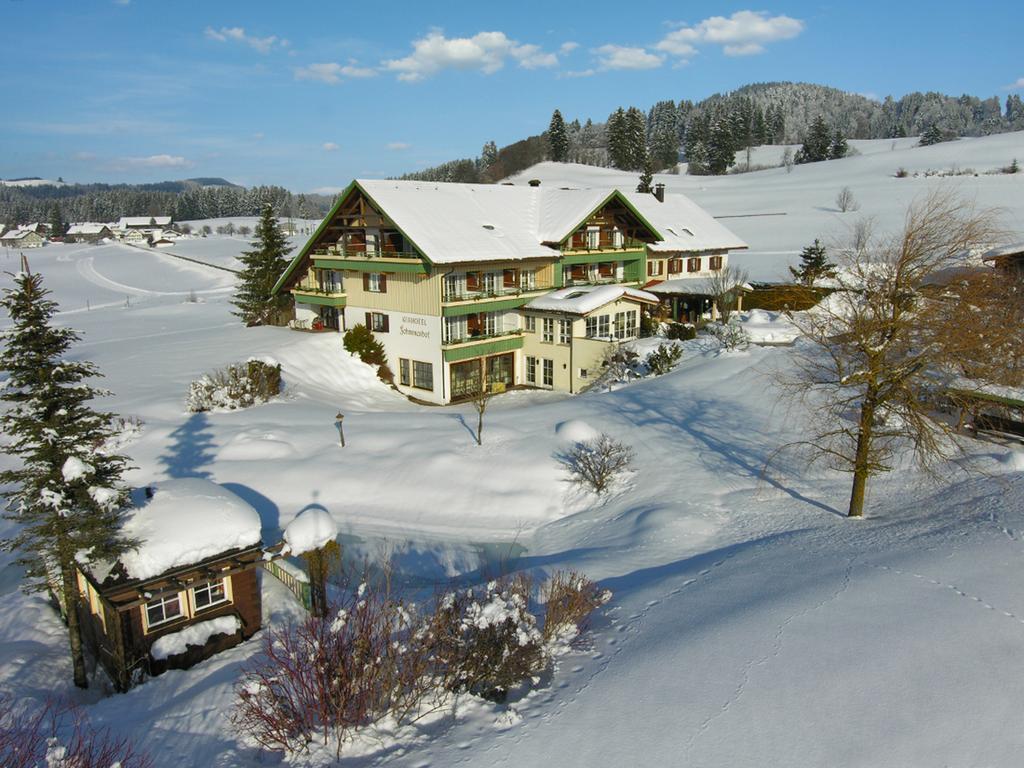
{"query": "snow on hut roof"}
(683, 225)
(86, 228)
(453, 222)
(1003, 251)
(583, 299)
(186, 521)
(143, 221)
(691, 286)
(312, 529)
(17, 234)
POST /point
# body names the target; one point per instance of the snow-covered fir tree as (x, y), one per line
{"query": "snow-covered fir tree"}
(663, 134)
(254, 299)
(839, 147)
(66, 495)
(817, 144)
(814, 264)
(930, 135)
(558, 138)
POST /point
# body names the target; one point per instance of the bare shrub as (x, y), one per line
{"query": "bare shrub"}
(663, 359)
(569, 598)
(726, 286)
(618, 363)
(323, 678)
(237, 386)
(845, 200)
(729, 336)
(597, 463)
(901, 173)
(244, 230)
(59, 735)
(788, 161)
(486, 640)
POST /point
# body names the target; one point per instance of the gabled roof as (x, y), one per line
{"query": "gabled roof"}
(87, 228)
(683, 225)
(584, 299)
(142, 221)
(18, 234)
(690, 286)
(1003, 252)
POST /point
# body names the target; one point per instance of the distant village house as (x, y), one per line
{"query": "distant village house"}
(88, 232)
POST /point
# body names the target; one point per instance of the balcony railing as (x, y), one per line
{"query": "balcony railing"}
(461, 294)
(629, 245)
(335, 252)
(596, 281)
(322, 290)
(449, 340)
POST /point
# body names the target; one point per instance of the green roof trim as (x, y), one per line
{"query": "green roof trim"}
(301, 297)
(486, 305)
(622, 198)
(595, 257)
(1009, 402)
(416, 266)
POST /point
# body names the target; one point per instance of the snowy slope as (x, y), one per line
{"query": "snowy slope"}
(807, 195)
(751, 623)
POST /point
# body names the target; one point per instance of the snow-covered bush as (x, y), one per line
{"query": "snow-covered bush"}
(663, 359)
(365, 661)
(59, 735)
(730, 336)
(359, 341)
(486, 639)
(680, 331)
(596, 463)
(569, 598)
(237, 386)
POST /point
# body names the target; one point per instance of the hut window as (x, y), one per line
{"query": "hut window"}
(162, 609)
(210, 593)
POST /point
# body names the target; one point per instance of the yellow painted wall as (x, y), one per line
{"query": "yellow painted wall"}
(407, 292)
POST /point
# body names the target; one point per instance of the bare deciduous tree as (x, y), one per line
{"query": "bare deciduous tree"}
(596, 463)
(845, 200)
(481, 399)
(876, 346)
(726, 285)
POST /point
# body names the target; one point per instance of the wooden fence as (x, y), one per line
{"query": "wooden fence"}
(293, 577)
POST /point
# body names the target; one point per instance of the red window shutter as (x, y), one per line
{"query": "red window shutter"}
(578, 239)
(473, 325)
(385, 325)
(606, 269)
(369, 318)
(366, 281)
(579, 271)
(383, 283)
(605, 238)
(508, 279)
(472, 281)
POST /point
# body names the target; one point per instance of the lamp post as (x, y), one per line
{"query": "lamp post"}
(341, 429)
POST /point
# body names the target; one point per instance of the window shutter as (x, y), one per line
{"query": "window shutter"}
(366, 281)
(369, 318)
(385, 326)
(472, 281)
(383, 283)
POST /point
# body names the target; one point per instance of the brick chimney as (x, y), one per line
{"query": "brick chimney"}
(659, 192)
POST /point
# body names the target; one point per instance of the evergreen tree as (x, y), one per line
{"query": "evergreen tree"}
(254, 297)
(663, 134)
(817, 144)
(57, 227)
(721, 149)
(489, 155)
(66, 497)
(646, 176)
(839, 147)
(618, 148)
(930, 135)
(814, 264)
(558, 139)
(636, 139)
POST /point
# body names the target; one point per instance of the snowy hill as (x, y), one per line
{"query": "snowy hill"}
(806, 196)
(751, 624)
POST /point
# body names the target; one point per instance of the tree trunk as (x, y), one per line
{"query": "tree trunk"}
(861, 463)
(70, 588)
(480, 426)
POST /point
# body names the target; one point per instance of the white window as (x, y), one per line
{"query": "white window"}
(531, 370)
(564, 331)
(378, 322)
(455, 328)
(372, 247)
(549, 330)
(549, 373)
(531, 324)
(593, 237)
(528, 279)
(210, 593)
(620, 325)
(162, 610)
(452, 287)
(598, 327)
(375, 283)
(491, 324)
(490, 283)
(403, 371)
(617, 237)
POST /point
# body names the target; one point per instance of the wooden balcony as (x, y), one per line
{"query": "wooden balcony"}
(500, 292)
(329, 296)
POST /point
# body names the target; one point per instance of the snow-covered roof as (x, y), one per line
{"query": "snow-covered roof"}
(312, 529)
(87, 228)
(1014, 249)
(454, 223)
(683, 225)
(186, 521)
(17, 234)
(126, 222)
(692, 286)
(583, 299)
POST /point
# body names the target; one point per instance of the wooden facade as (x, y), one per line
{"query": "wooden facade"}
(123, 618)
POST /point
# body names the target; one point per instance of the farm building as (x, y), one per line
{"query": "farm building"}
(22, 238)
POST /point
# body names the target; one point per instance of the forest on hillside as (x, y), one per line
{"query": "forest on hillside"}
(706, 134)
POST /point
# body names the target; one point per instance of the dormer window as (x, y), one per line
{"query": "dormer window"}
(593, 237)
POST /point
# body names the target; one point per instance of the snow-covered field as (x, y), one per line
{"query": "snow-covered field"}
(751, 624)
(806, 197)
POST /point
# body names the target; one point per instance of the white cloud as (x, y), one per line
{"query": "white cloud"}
(745, 33)
(158, 161)
(568, 47)
(398, 146)
(625, 57)
(332, 73)
(330, 146)
(1019, 85)
(238, 35)
(485, 52)
(327, 190)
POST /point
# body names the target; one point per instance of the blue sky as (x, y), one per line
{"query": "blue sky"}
(311, 95)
